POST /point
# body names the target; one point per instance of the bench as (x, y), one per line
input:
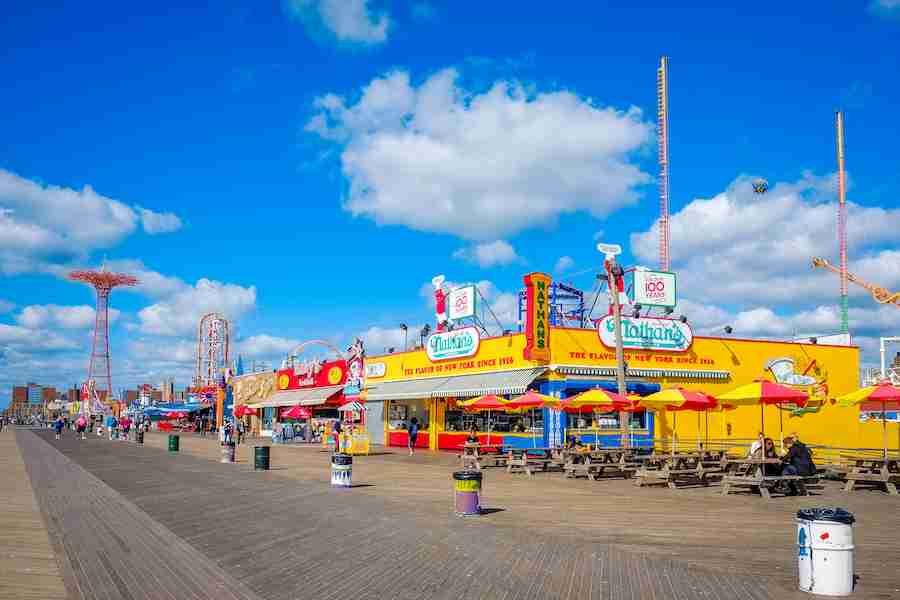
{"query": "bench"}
(594, 471)
(875, 477)
(518, 461)
(767, 484)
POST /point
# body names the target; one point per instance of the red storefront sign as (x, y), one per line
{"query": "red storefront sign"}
(313, 373)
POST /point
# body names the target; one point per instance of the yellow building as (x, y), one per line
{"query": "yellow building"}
(428, 383)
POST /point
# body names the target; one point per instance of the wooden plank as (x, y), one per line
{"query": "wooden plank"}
(552, 539)
(28, 565)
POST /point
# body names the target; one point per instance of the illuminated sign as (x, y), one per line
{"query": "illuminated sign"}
(462, 303)
(453, 344)
(654, 288)
(647, 333)
(537, 317)
(313, 373)
(375, 370)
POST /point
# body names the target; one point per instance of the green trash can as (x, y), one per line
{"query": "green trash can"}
(261, 458)
(173, 443)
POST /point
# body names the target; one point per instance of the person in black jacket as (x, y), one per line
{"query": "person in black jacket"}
(798, 460)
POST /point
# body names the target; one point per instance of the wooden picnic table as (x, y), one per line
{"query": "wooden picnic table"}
(679, 469)
(593, 463)
(872, 471)
(479, 455)
(750, 473)
(527, 460)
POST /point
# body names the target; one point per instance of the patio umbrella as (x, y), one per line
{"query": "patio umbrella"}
(676, 399)
(763, 392)
(530, 401)
(883, 393)
(244, 411)
(296, 412)
(593, 401)
(487, 403)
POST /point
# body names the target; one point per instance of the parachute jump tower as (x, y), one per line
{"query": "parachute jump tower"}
(99, 377)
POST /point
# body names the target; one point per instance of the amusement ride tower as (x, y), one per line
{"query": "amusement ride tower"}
(99, 371)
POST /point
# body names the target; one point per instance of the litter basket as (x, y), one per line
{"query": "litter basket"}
(467, 493)
(342, 470)
(139, 437)
(173, 443)
(261, 458)
(825, 551)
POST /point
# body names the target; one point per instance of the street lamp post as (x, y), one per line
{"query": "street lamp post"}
(614, 271)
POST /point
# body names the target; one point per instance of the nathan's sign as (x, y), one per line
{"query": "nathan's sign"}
(453, 344)
(647, 333)
(313, 373)
(537, 317)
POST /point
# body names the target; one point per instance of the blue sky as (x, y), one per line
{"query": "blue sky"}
(307, 166)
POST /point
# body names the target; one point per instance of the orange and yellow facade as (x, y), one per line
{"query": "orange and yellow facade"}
(579, 359)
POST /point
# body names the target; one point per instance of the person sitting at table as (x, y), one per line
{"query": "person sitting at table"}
(798, 461)
(769, 452)
(756, 448)
(473, 436)
(574, 443)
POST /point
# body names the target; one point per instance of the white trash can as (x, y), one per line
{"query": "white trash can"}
(825, 551)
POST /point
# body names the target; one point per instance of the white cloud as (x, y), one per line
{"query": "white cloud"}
(180, 313)
(348, 21)
(563, 264)
(376, 339)
(163, 351)
(154, 222)
(480, 166)
(37, 316)
(504, 305)
(488, 254)
(22, 338)
(265, 345)
(40, 221)
(742, 248)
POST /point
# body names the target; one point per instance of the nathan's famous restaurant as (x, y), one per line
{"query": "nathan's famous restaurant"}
(429, 383)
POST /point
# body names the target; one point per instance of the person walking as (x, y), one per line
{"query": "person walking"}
(80, 426)
(239, 427)
(111, 424)
(58, 426)
(413, 432)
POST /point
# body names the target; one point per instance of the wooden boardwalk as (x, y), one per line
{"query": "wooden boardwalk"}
(28, 567)
(287, 534)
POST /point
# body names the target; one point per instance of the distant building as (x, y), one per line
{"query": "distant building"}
(167, 389)
(30, 399)
(35, 394)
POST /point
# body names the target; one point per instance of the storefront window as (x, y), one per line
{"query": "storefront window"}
(638, 420)
(402, 411)
(458, 420)
(268, 414)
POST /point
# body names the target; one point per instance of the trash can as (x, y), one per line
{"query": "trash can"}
(228, 453)
(467, 492)
(173, 443)
(825, 551)
(342, 470)
(261, 458)
(139, 437)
